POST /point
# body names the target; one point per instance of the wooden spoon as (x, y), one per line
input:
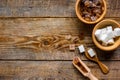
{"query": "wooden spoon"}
(82, 67)
(103, 67)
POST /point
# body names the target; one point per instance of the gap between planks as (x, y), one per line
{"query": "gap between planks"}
(49, 60)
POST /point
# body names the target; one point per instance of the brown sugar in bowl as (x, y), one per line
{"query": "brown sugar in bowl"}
(78, 12)
(103, 24)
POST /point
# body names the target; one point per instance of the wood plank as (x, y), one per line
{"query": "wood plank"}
(53, 70)
(48, 8)
(46, 39)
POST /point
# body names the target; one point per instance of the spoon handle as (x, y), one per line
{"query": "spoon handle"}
(103, 67)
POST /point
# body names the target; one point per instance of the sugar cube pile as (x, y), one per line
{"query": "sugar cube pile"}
(106, 35)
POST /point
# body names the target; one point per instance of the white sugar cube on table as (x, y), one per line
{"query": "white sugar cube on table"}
(91, 52)
(117, 32)
(81, 48)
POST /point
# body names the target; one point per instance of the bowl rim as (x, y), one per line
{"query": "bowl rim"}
(96, 42)
(93, 22)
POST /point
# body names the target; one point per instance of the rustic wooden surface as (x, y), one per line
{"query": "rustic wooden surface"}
(35, 37)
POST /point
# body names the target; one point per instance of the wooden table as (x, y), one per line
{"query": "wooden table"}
(35, 36)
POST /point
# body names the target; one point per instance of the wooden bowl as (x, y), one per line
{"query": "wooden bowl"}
(103, 24)
(78, 13)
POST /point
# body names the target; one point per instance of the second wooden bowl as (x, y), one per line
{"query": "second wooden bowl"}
(103, 24)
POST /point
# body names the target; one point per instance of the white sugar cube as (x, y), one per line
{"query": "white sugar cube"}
(103, 30)
(91, 52)
(107, 36)
(111, 41)
(117, 32)
(98, 33)
(81, 48)
(110, 34)
(104, 34)
(104, 38)
(109, 28)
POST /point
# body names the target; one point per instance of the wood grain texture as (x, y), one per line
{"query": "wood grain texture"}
(38, 48)
(48, 8)
(53, 70)
(38, 38)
